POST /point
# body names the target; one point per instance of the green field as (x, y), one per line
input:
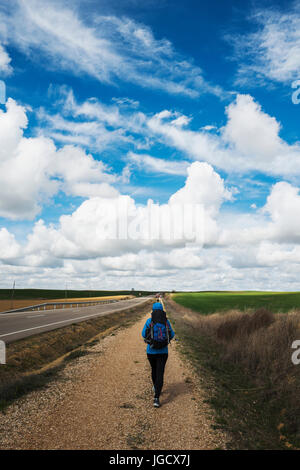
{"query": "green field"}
(210, 302)
(44, 294)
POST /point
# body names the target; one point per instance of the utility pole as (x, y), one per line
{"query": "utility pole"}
(66, 291)
(12, 295)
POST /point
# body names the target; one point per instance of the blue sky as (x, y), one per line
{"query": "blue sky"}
(163, 101)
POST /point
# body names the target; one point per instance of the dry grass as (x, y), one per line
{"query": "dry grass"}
(244, 324)
(260, 344)
(249, 355)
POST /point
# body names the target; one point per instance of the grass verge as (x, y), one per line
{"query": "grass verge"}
(33, 362)
(244, 364)
(210, 302)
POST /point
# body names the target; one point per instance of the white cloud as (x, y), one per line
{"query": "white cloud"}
(12, 123)
(9, 248)
(109, 49)
(82, 174)
(24, 179)
(273, 51)
(253, 133)
(32, 170)
(187, 258)
(241, 263)
(268, 238)
(242, 247)
(179, 269)
(209, 127)
(248, 141)
(5, 62)
(118, 229)
(158, 165)
(100, 226)
(203, 186)
(198, 145)
(274, 254)
(283, 205)
(92, 124)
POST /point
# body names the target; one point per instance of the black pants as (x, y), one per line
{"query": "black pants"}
(157, 362)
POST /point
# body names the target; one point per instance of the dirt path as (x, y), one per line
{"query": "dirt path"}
(104, 401)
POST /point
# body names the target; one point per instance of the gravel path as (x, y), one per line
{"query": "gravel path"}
(104, 401)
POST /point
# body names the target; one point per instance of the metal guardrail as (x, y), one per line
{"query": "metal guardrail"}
(63, 304)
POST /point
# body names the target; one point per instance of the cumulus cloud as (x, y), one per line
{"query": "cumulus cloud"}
(9, 248)
(12, 123)
(117, 229)
(249, 141)
(32, 170)
(283, 206)
(100, 226)
(253, 133)
(203, 186)
(86, 245)
(179, 269)
(274, 254)
(76, 251)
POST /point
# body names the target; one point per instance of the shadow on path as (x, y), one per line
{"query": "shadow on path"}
(174, 390)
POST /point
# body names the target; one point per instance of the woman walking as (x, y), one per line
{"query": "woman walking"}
(157, 332)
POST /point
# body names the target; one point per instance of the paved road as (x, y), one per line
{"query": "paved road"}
(15, 326)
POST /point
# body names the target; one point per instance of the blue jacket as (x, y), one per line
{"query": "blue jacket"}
(157, 351)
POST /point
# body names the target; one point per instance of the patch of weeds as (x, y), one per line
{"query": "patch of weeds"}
(135, 440)
(75, 354)
(141, 397)
(127, 406)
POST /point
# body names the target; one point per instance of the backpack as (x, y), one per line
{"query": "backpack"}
(157, 334)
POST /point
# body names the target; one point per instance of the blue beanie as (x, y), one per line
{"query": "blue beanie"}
(157, 306)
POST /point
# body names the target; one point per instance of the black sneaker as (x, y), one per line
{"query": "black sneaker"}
(156, 403)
